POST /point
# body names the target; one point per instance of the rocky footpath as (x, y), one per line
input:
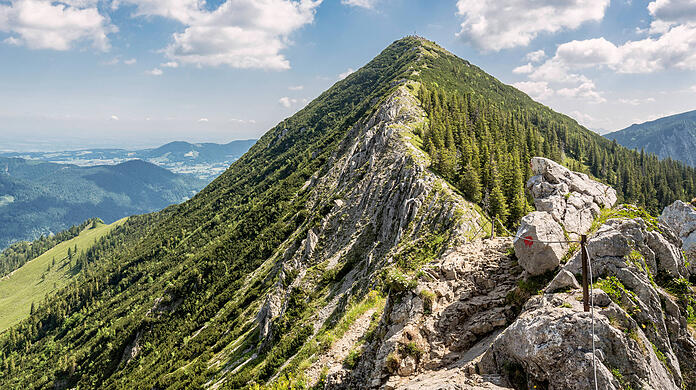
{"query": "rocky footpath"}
(483, 318)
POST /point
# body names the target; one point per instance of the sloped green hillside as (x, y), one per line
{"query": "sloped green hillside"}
(225, 289)
(46, 273)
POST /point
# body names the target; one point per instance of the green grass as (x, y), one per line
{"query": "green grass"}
(39, 277)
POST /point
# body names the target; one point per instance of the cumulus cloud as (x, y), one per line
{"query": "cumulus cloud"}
(288, 102)
(693, 88)
(524, 69)
(537, 90)
(155, 72)
(503, 24)
(130, 61)
(586, 91)
(203, 120)
(170, 64)
(114, 118)
(673, 11)
(676, 48)
(345, 74)
(45, 24)
(369, 4)
(238, 33)
(535, 56)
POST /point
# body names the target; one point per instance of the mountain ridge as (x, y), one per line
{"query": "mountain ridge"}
(673, 136)
(336, 216)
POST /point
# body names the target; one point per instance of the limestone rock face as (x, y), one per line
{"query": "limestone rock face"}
(537, 257)
(573, 199)
(681, 217)
(552, 343)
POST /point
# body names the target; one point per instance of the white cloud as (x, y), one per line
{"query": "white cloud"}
(582, 118)
(586, 91)
(296, 87)
(114, 118)
(243, 121)
(346, 73)
(288, 102)
(170, 64)
(238, 33)
(203, 120)
(693, 88)
(535, 56)
(130, 61)
(45, 24)
(537, 90)
(369, 4)
(524, 69)
(637, 102)
(496, 25)
(676, 11)
(155, 72)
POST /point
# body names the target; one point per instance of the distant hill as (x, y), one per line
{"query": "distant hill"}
(203, 160)
(672, 136)
(40, 198)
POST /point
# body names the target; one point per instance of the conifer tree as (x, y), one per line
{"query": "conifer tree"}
(471, 184)
(498, 205)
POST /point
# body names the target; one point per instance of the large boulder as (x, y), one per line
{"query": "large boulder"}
(572, 199)
(681, 217)
(533, 254)
(550, 346)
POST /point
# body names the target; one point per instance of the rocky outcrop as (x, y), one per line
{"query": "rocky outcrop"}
(373, 195)
(538, 246)
(572, 198)
(567, 203)
(641, 336)
(466, 324)
(434, 335)
(681, 217)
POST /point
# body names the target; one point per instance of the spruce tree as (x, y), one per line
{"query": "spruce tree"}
(498, 205)
(471, 184)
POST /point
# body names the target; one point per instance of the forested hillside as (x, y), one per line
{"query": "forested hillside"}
(482, 134)
(39, 198)
(672, 137)
(330, 210)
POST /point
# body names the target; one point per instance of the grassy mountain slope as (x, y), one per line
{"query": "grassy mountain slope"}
(45, 274)
(262, 272)
(44, 198)
(669, 137)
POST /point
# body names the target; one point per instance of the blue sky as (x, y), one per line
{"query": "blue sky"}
(135, 73)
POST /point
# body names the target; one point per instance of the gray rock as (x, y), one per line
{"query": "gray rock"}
(534, 256)
(564, 280)
(572, 198)
(681, 217)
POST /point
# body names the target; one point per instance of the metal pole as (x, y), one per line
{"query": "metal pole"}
(585, 287)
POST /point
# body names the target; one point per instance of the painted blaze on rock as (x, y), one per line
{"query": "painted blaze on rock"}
(535, 256)
(566, 202)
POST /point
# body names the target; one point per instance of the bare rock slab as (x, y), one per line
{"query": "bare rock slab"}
(534, 255)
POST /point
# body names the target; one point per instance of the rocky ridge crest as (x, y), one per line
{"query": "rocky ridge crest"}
(478, 319)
